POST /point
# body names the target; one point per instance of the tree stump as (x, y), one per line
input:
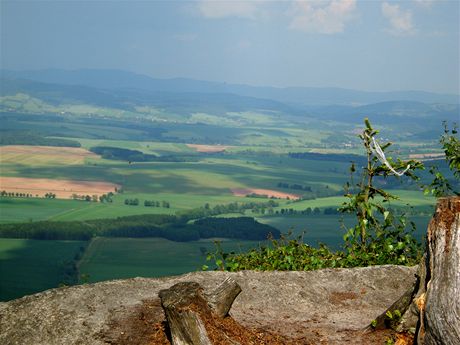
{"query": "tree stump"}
(432, 308)
(440, 306)
(188, 310)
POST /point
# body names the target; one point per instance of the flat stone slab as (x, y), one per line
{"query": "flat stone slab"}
(327, 306)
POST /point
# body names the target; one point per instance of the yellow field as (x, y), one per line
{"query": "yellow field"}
(64, 189)
(43, 155)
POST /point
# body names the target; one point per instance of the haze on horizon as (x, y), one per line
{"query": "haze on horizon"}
(363, 45)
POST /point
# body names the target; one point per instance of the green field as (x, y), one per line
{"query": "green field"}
(416, 199)
(185, 185)
(114, 258)
(328, 229)
(257, 158)
(29, 266)
(14, 210)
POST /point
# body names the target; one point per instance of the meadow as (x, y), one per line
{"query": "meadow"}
(255, 158)
(328, 229)
(29, 266)
(116, 258)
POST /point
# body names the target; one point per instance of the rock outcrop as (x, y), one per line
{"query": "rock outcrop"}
(330, 306)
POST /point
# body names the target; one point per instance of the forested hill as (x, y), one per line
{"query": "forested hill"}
(116, 79)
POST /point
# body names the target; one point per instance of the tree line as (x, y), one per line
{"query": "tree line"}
(117, 153)
(35, 139)
(174, 228)
(234, 207)
(148, 203)
(334, 157)
(241, 228)
(5, 193)
(294, 186)
(153, 203)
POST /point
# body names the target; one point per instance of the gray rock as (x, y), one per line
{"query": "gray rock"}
(324, 305)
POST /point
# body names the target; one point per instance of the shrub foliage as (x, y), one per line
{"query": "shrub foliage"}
(379, 236)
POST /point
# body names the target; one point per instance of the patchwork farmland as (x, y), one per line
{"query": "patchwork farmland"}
(194, 171)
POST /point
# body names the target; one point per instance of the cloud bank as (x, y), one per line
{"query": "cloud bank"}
(325, 17)
(400, 21)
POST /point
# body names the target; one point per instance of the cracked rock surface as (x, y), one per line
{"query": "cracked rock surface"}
(324, 307)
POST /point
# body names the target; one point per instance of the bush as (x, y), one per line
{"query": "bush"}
(379, 237)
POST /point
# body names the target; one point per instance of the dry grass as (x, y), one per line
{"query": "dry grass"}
(43, 155)
(62, 188)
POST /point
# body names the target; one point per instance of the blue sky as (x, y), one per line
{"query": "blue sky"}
(365, 45)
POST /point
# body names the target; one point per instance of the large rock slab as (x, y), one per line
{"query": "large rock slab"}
(327, 306)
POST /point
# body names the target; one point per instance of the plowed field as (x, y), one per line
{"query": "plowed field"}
(62, 188)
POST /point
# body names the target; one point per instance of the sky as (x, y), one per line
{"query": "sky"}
(369, 45)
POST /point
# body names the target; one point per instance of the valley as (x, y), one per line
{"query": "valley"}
(74, 155)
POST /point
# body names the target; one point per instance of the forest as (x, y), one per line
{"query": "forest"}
(173, 228)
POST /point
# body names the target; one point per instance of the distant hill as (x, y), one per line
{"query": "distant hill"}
(115, 79)
(120, 95)
(389, 112)
(126, 99)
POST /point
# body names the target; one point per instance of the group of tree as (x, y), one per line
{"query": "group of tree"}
(175, 228)
(117, 153)
(47, 230)
(329, 157)
(87, 197)
(4, 193)
(308, 211)
(32, 138)
(68, 271)
(241, 227)
(148, 203)
(261, 196)
(132, 202)
(234, 207)
(294, 186)
(106, 197)
(153, 203)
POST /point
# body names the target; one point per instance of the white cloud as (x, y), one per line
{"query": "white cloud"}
(228, 8)
(400, 21)
(326, 17)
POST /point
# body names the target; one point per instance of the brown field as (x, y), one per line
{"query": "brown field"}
(62, 188)
(43, 155)
(208, 148)
(268, 192)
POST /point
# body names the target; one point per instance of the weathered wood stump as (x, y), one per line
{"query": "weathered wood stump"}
(188, 309)
(440, 306)
(431, 308)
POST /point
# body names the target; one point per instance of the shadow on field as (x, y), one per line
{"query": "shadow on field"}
(30, 266)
